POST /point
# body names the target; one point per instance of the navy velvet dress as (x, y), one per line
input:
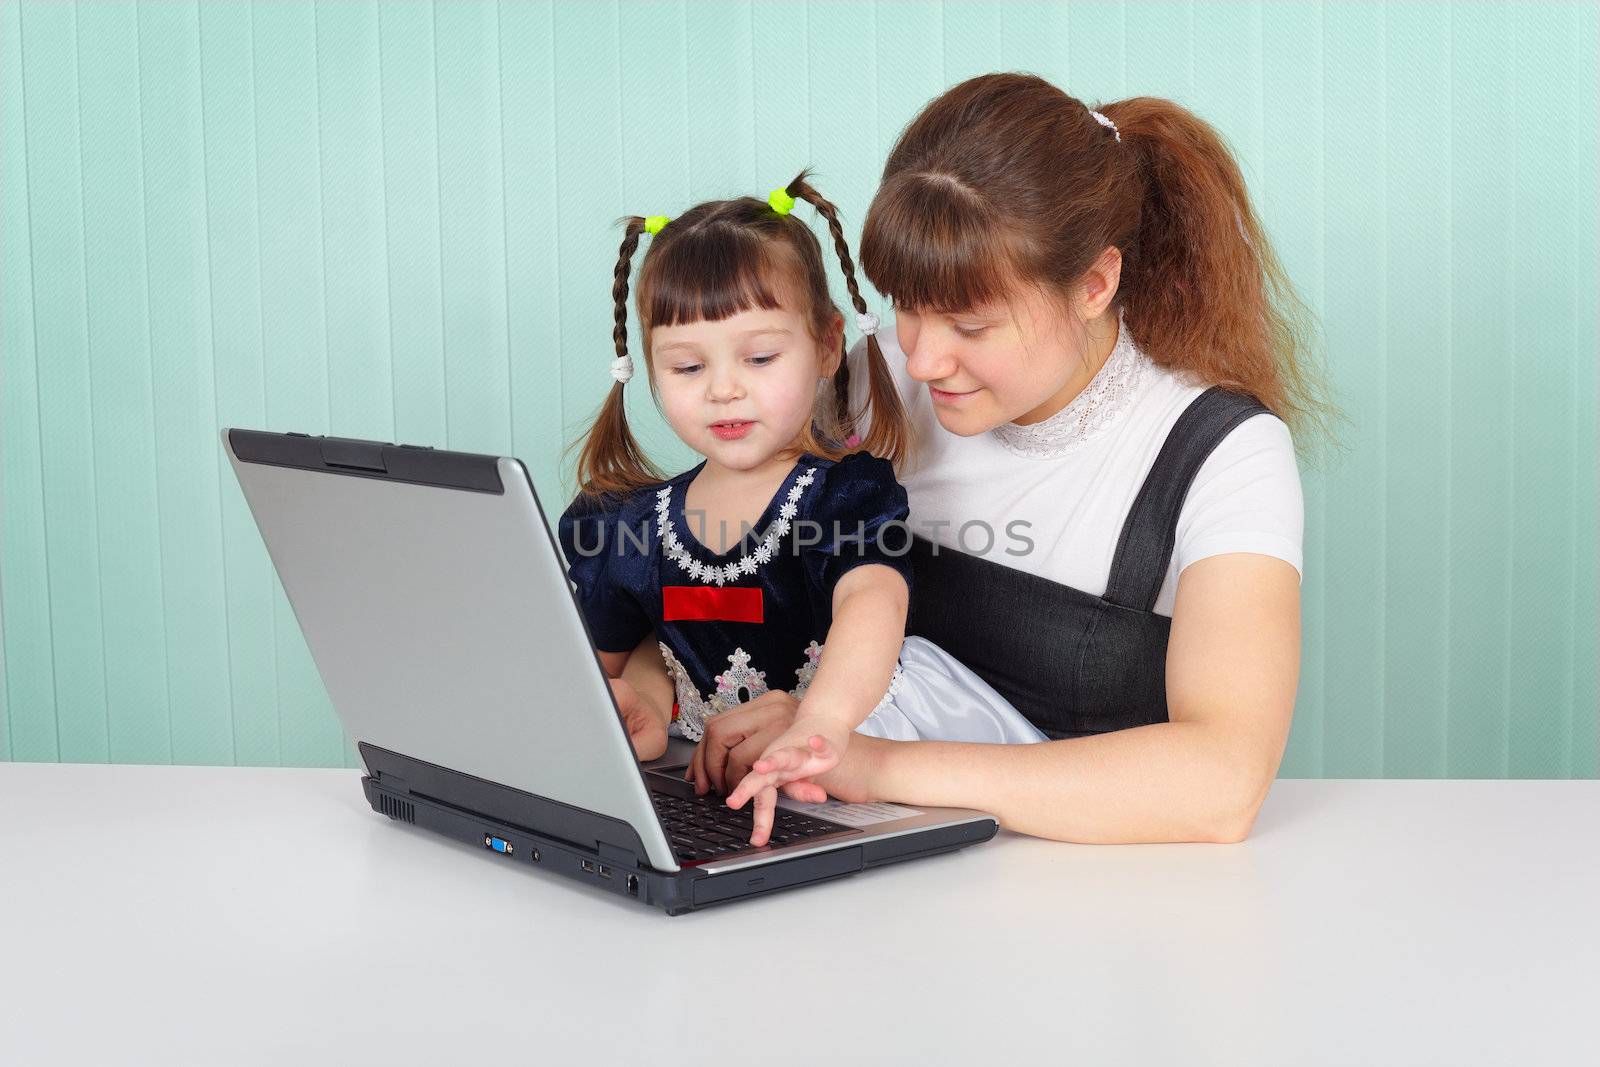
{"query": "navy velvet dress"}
(733, 625)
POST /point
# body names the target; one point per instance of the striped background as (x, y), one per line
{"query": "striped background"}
(397, 222)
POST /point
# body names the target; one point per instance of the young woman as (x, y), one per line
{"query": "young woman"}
(1102, 363)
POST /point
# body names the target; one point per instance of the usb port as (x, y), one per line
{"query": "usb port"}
(589, 866)
(605, 872)
(498, 844)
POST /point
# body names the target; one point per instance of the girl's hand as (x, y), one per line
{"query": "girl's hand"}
(811, 746)
(647, 729)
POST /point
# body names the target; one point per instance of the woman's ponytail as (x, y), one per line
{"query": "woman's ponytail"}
(1202, 282)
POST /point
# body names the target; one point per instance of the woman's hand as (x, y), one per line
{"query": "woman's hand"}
(647, 728)
(736, 738)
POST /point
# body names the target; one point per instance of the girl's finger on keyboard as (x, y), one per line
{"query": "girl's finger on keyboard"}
(766, 801)
(748, 786)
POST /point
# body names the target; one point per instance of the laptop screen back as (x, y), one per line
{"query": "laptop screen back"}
(440, 616)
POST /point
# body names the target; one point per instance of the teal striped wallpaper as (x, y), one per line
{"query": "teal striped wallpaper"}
(395, 221)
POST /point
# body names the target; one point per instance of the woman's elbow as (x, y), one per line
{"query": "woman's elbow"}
(1230, 828)
(1239, 800)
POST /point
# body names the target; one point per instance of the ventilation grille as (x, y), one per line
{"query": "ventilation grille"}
(396, 808)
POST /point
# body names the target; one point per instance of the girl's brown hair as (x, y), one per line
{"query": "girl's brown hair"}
(714, 261)
(1007, 180)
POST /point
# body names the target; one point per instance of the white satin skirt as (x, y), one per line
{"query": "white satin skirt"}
(937, 698)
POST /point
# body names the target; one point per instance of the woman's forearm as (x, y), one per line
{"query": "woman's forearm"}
(1232, 667)
(1172, 781)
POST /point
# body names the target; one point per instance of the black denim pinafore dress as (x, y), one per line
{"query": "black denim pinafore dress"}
(1072, 663)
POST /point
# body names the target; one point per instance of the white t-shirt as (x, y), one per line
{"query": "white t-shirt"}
(1072, 478)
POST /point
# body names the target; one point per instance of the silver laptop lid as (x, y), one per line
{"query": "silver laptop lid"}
(436, 607)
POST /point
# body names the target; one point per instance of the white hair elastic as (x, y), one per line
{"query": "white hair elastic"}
(1107, 123)
(867, 323)
(622, 369)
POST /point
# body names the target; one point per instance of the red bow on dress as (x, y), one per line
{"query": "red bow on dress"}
(704, 603)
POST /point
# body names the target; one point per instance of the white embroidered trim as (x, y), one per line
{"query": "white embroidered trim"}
(745, 565)
(694, 710)
(1108, 394)
(888, 696)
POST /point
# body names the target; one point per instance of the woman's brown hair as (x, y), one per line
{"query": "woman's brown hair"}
(714, 261)
(1005, 179)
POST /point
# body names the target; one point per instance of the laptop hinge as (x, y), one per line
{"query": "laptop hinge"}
(622, 857)
(393, 781)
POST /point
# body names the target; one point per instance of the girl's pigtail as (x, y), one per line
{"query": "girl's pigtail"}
(610, 460)
(889, 435)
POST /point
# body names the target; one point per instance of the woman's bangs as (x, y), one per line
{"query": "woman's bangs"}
(930, 245)
(707, 276)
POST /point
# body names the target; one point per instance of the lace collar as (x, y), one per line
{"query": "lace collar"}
(1108, 394)
(746, 564)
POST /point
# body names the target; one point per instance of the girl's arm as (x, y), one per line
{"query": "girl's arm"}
(864, 639)
(1233, 662)
(643, 693)
(647, 673)
(863, 646)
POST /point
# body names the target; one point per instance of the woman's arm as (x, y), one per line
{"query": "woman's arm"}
(1233, 661)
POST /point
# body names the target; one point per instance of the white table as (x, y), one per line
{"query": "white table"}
(230, 915)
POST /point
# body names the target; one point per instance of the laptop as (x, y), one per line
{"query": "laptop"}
(436, 605)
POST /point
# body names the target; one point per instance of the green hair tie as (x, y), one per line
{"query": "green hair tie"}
(781, 201)
(654, 223)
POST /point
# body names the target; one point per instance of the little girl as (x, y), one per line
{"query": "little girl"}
(740, 338)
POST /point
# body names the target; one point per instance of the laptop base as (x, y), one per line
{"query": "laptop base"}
(618, 871)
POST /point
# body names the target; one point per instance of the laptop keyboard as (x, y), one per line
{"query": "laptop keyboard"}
(704, 827)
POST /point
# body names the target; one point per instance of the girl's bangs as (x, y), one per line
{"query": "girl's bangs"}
(930, 245)
(708, 275)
